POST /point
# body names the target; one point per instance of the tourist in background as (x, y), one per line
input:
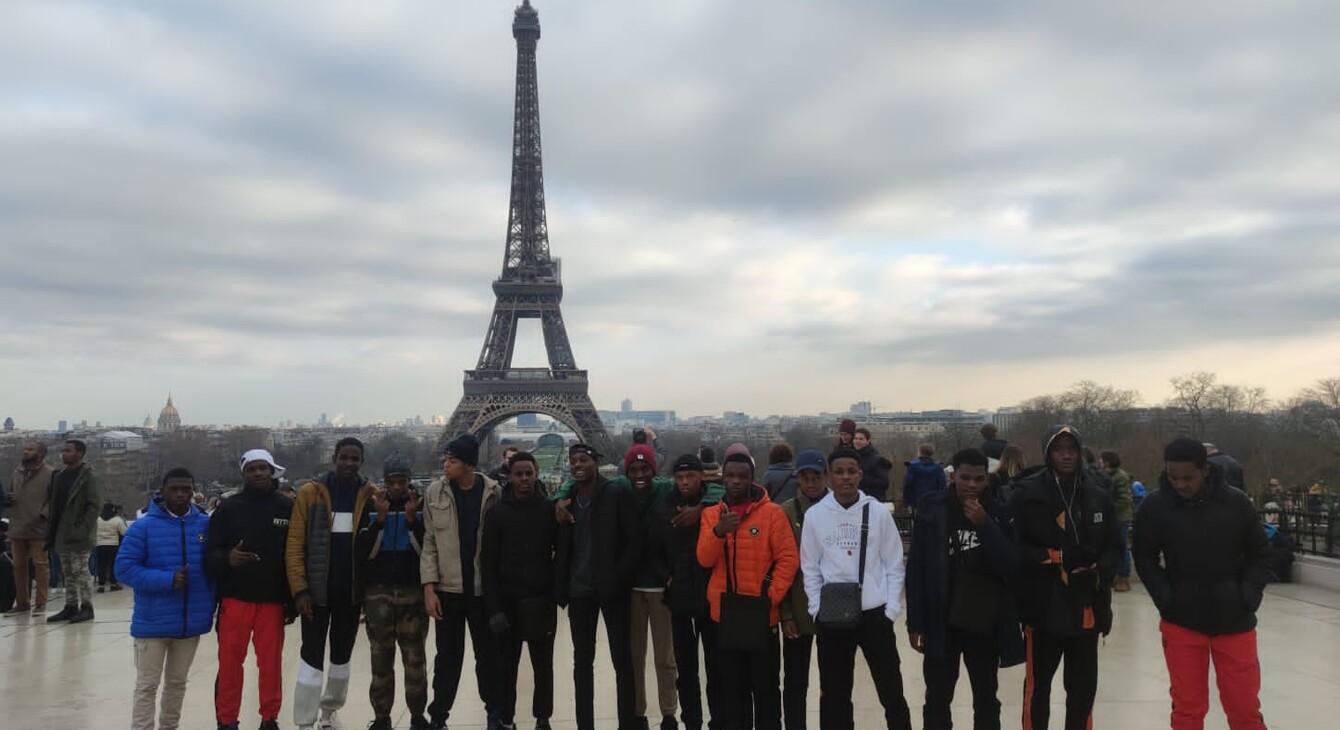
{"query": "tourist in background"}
(924, 475)
(1121, 496)
(111, 528)
(74, 503)
(780, 478)
(26, 496)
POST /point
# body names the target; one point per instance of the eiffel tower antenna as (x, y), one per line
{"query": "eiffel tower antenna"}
(530, 287)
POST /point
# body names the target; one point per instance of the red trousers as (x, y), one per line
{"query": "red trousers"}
(261, 624)
(1236, 670)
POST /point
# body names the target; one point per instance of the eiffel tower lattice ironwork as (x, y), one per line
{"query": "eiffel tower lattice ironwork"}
(530, 287)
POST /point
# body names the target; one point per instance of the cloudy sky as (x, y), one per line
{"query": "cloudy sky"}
(280, 209)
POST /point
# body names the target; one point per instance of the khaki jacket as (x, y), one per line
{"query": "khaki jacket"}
(440, 560)
(796, 606)
(28, 516)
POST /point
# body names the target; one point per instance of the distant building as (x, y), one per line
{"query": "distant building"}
(9, 424)
(528, 420)
(862, 408)
(168, 418)
(62, 426)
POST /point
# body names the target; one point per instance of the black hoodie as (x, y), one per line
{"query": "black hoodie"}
(1052, 597)
(260, 520)
(1214, 569)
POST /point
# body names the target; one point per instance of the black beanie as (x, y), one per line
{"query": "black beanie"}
(464, 447)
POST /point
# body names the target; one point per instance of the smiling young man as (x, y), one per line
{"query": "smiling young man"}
(1069, 542)
(248, 533)
(959, 603)
(1199, 549)
(163, 559)
(599, 548)
(453, 585)
(517, 562)
(748, 540)
(850, 537)
(323, 574)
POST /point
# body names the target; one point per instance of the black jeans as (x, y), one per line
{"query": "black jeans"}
(106, 563)
(1045, 652)
(796, 656)
(749, 683)
(458, 612)
(688, 633)
(583, 616)
(982, 658)
(509, 661)
(340, 622)
(837, 657)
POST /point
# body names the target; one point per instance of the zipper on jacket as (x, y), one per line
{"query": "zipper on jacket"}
(186, 594)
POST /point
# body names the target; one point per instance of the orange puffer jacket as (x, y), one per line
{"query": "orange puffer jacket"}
(763, 541)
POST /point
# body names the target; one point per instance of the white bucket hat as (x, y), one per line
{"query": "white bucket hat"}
(261, 455)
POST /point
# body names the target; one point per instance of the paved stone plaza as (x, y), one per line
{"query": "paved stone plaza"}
(74, 677)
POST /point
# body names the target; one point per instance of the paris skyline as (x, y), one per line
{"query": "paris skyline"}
(770, 207)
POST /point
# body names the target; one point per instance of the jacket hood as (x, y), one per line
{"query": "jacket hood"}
(830, 503)
(758, 495)
(1213, 483)
(1054, 433)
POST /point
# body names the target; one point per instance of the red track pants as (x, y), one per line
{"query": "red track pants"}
(1236, 669)
(261, 624)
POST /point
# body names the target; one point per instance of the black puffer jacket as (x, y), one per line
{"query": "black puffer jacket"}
(674, 550)
(516, 559)
(1214, 569)
(1076, 603)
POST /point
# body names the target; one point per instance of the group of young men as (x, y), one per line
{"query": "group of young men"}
(697, 565)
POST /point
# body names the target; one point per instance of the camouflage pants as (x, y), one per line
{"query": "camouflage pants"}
(395, 616)
(78, 579)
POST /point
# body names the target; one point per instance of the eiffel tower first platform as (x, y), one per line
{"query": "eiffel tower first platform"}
(530, 287)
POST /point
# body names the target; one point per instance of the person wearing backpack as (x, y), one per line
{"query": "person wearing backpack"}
(851, 556)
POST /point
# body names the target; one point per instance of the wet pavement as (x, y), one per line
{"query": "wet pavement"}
(81, 676)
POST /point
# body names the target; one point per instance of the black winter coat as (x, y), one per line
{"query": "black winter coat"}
(1092, 534)
(874, 473)
(1215, 568)
(617, 542)
(928, 569)
(260, 521)
(516, 558)
(674, 550)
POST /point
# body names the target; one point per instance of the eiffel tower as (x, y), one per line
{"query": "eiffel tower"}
(530, 287)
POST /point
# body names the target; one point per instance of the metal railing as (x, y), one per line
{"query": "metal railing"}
(1312, 531)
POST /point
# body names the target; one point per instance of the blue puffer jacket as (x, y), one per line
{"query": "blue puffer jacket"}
(154, 547)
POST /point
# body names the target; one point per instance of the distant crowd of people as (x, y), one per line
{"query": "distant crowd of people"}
(736, 584)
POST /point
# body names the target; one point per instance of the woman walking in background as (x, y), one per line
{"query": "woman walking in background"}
(111, 528)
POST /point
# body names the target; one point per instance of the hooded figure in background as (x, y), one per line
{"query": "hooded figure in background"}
(1069, 550)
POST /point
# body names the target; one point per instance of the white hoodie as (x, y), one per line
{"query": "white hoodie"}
(830, 552)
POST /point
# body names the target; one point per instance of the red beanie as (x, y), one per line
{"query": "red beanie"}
(640, 452)
(847, 426)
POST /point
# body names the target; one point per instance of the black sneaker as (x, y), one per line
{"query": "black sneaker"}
(542, 724)
(85, 614)
(229, 726)
(417, 722)
(116, 587)
(269, 725)
(65, 614)
(102, 589)
(668, 723)
(437, 725)
(381, 723)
